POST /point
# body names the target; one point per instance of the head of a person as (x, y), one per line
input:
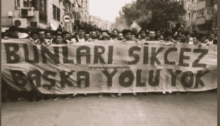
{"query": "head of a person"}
(143, 34)
(59, 32)
(158, 33)
(120, 36)
(187, 35)
(34, 35)
(104, 33)
(81, 32)
(105, 38)
(97, 33)
(59, 39)
(13, 32)
(151, 35)
(66, 35)
(87, 36)
(128, 35)
(115, 32)
(182, 38)
(168, 36)
(195, 40)
(178, 38)
(93, 35)
(41, 34)
(48, 35)
(202, 38)
(211, 36)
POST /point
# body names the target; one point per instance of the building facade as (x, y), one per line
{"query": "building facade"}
(201, 15)
(43, 14)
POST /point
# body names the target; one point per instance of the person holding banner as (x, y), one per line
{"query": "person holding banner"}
(42, 39)
(33, 36)
(143, 35)
(120, 36)
(114, 34)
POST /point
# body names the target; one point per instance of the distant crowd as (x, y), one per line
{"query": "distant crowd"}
(46, 37)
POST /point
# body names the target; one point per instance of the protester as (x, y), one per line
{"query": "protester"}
(81, 34)
(151, 35)
(12, 32)
(168, 37)
(87, 37)
(127, 35)
(157, 35)
(211, 39)
(42, 39)
(59, 39)
(94, 36)
(143, 35)
(120, 36)
(34, 36)
(114, 34)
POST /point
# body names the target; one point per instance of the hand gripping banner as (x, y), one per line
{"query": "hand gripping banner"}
(108, 67)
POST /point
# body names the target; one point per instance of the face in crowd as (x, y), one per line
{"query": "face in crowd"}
(195, 41)
(211, 37)
(143, 34)
(120, 36)
(158, 33)
(203, 38)
(93, 35)
(128, 36)
(34, 36)
(81, 33)
(115, 33)
(59, 39)
(42, 35)
(87, 36)
(151, 35)
(48, 35)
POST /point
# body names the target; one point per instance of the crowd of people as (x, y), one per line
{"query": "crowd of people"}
(46, 37)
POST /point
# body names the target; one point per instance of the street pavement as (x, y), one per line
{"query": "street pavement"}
(195, 109)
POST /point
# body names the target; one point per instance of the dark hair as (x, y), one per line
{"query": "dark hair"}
(65, 33)
(167, 33)
(48, 32)
(142, 30)
(13, 28)
(33, 32)
(115, 30)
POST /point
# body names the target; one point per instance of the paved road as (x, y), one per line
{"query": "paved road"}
(196, 109)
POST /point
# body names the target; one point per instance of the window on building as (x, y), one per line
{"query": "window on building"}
(43, 11)
(56, 13)
(209, 11)
(24, 3)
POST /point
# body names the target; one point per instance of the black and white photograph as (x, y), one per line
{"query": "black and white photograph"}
(109, 62)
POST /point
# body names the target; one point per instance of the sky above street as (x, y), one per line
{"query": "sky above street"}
(106, 9)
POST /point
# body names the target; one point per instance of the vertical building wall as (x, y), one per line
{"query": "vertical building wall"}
(7, 5)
